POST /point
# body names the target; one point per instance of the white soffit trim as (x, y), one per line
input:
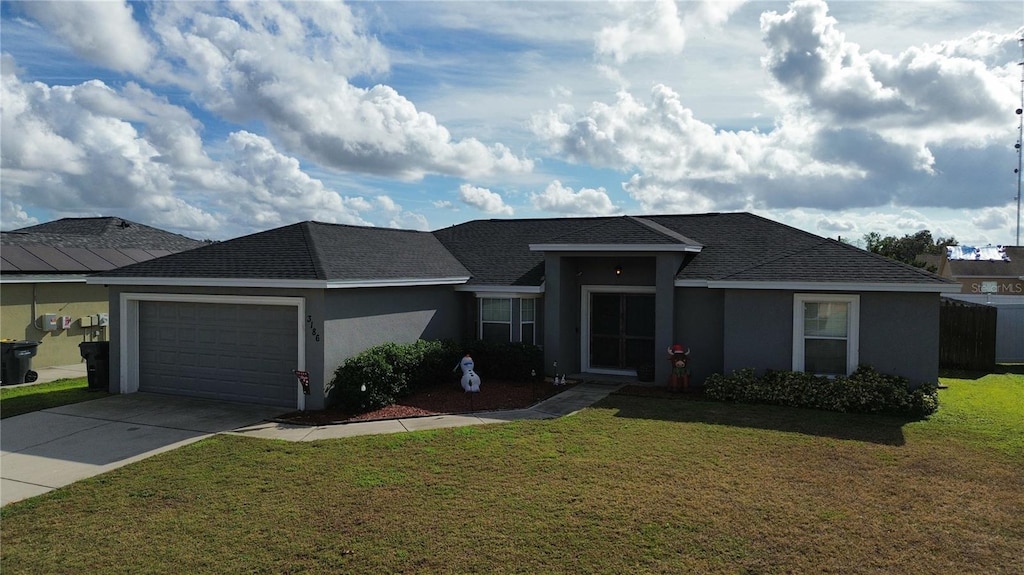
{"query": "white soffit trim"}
(821, 286)
(614, 248)
(275, 283)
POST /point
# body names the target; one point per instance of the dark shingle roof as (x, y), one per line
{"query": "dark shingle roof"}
(745, 247)
(736, 247)
(625, 230)
(497, 252)
(310, 251)
(82, 245)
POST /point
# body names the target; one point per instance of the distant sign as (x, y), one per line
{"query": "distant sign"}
(993, 286)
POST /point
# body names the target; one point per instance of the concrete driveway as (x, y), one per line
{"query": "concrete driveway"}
(47, 449)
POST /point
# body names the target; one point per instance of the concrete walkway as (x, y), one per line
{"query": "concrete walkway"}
(47, 449)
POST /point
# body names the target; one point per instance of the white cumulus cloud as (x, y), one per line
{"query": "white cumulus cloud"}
(564, 200)
(484, 200)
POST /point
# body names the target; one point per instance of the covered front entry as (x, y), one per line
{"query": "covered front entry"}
(619, 329)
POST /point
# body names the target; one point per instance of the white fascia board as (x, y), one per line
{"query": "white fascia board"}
(274, 283)
(822, 286)
(497, 291)
(614, 248)
(43, 280)
(401, 282)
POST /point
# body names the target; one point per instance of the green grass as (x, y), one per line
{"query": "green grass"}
(632, 485)
(25, 399)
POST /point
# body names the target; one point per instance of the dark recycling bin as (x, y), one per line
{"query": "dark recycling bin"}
(16, 359)
(97, 363)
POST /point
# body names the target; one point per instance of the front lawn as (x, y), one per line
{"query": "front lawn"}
(632, 485)
(26, 398)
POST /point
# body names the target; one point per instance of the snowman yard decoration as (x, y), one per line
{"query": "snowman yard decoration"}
(470, 380)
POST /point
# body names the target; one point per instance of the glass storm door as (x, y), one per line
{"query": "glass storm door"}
(621, 330)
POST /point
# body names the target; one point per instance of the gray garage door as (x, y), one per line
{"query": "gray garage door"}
(219, 351)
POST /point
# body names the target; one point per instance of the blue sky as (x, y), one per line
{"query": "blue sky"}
(216, 120)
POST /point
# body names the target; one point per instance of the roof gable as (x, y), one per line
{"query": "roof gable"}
(310, 251)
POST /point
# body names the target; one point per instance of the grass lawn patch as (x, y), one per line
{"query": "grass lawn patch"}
(28, 398)
(631, 485)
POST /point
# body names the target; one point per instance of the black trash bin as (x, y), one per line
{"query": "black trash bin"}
(16, 359)
(97, 363)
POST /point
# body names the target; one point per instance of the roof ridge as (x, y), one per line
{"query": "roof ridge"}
(312, 248)
(658, 228)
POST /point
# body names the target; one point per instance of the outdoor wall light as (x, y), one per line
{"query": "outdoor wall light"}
(618, 270)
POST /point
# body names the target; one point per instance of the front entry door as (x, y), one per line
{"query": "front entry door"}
(621, 330)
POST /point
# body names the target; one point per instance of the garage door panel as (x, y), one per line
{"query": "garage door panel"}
(233, 352)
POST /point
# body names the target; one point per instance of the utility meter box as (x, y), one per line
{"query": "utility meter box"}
(50, 322)
(102, 319)
(85, 321)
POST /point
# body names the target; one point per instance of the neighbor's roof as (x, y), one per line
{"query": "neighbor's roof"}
(83, 245)
(984, 268)
(306, 252)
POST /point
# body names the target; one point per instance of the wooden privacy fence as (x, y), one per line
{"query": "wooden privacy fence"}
(967, 335)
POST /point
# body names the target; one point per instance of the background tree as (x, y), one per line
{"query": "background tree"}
(908, 248)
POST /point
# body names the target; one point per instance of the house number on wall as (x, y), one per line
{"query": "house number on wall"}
(312, 330)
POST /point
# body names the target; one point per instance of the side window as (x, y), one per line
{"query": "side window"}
(826, 333)
(528, 320)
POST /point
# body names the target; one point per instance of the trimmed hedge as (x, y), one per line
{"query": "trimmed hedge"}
(863, 391)
(383, 374)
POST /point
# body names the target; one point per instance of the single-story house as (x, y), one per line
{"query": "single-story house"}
(993, 275)
(604, 295)
(43, 293)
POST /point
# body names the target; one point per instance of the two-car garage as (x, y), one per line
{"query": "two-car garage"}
(231, 348)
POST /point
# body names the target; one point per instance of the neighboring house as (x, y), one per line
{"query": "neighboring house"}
(995, 278)
(43, 276)
(603, 295)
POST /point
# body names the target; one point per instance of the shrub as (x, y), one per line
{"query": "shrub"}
(863, 391)
(506, 361)
(385, 373)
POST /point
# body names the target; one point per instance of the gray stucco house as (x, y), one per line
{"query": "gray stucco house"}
(606, 295)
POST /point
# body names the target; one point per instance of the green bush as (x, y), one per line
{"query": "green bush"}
(863, 391)
(506, 361)
(385, 373)
(382, 374)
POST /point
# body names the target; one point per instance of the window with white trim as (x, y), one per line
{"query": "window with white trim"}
(826, 333)
(496, 319)
(527, 320)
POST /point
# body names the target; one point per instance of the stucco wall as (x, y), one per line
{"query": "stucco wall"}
(899, 334)
(76, 300)
(699, 317)
(758, 330)
(357, 319)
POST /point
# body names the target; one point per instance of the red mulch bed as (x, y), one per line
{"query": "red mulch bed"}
(446, 399)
